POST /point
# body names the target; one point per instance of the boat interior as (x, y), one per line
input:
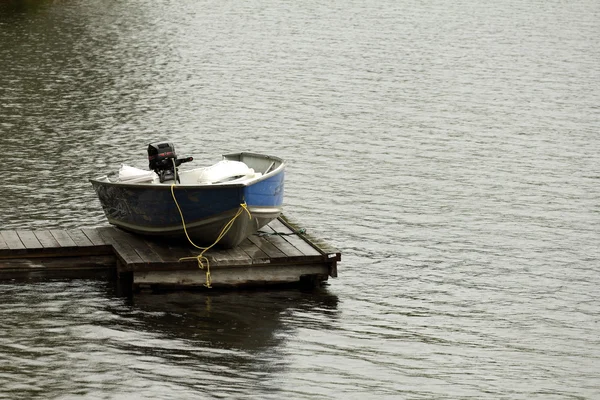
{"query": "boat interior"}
(235, 168)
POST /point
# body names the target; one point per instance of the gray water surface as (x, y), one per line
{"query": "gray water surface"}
(450, 150)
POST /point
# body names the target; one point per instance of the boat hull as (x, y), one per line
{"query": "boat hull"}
(157, 210)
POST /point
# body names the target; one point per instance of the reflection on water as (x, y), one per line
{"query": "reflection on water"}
(21, 8)
(78, 338)
(246, 321)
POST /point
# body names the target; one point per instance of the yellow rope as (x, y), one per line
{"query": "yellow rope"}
(200, 257)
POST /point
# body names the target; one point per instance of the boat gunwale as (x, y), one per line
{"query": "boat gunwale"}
(104, 180)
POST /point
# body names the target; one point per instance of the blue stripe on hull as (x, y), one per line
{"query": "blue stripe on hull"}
(266, 193)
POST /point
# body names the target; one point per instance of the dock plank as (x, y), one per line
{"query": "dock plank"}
(219, 257)
(141, 247)
(12, 240)
(267, 247)
(286, 247)
(281, 243)
(79, 237)
(125, 252)
(29, 240)
(254, 252)
(169, 252)
(239, 256)
(3, 244)
(325, 248)
(46, 239)
(63, 239)
(94, 236)
(294, 239)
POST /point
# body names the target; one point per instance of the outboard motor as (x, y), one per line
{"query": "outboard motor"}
(163, 160)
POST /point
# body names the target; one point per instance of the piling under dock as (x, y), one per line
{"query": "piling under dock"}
(278, 254)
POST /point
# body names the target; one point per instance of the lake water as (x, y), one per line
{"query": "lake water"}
(450, 150)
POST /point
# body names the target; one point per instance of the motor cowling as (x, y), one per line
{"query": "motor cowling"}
(163, 160)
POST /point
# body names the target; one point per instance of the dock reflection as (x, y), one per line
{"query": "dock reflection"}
(242, 320)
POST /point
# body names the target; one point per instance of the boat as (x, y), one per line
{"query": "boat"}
(221, 204)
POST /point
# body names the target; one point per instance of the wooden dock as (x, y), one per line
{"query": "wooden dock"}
(278, 254)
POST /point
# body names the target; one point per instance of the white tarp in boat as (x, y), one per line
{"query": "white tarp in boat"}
(225, 170)
(129, 174)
